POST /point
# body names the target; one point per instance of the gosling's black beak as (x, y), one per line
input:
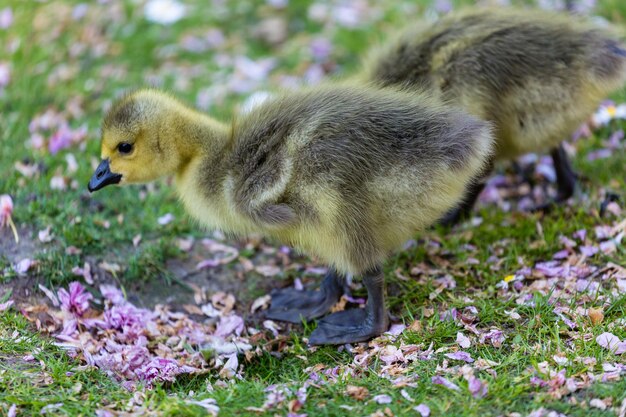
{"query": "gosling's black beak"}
(103, 177)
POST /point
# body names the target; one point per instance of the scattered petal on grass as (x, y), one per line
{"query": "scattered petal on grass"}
(6, 18)
(262, 302)
(113, 294)
(396, 329)
(608, 341)
(164, 12)
(267, 270)
(165, 219)
(598, 403)
(224, 254)
(50, 408)
(463, 340)
(476, 387)
(232, 324)
(6, 210)
(439, 380)
(51, 295)
(423, 409)
(22, 267)
(406, 395)
(382, 399)
(5, 75)
(84, 272)
(460, 356)
(75, 301)
(390, 354)
(45, 236)
(209, 404)
(6, 305)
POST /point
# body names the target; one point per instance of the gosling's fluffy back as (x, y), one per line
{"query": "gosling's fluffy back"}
(536, 75)
(347, 173)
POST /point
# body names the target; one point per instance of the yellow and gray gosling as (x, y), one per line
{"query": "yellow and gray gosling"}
(536, 75)
(342, 172)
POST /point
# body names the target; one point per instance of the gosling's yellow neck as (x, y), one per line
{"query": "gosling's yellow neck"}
(197, 135)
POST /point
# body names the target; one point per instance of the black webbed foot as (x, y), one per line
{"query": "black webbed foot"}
(294, 306)
(348, 326)
(565, 180)
(356, 325)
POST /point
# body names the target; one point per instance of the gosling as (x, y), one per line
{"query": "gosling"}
(536, 75)
(344, 173)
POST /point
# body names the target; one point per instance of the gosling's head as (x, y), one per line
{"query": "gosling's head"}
(139, 135)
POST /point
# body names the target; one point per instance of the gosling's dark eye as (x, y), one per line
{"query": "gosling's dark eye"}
(125, 147)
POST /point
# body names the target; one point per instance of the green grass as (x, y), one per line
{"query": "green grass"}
(47, 40)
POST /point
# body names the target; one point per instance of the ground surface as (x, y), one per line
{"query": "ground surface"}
(511, 313)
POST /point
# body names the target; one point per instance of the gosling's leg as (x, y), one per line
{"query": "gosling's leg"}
(565, 179)
(294, 306)
(565, 175)
(359, 324)
(464, 210)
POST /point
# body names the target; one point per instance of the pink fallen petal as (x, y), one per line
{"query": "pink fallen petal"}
(494, 336)
(439, 380)
(6, 209)
(614, 209)
(267, 270)
(161, 370)
(603, 231)
(209, 404)
(476, 387)
(599, 154)
(589, 251)
(463, 340)
(423, 409)
(391, 354)
(460, 356)
(382, 399)
(396, 329)
(608, 247)
(5, 306)
(45, 236)
(5, 75)
(208, 263)
(550, 269)
(51, 295)
(75, 301)
(113, 294)
(165, 219)
(23, 266)
(232, 363)
(562, 254)
(229, 325)
(580, 234)
(621, 348)
(84, 272)
(6, 20)
(608, 341)
(61, 139)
